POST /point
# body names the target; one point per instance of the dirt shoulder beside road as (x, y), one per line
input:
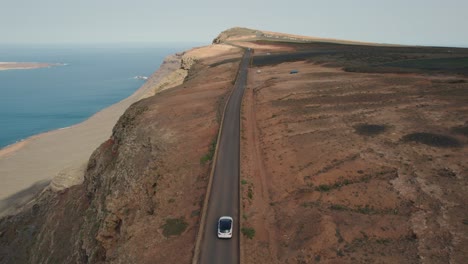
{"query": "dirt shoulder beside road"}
(353, 167)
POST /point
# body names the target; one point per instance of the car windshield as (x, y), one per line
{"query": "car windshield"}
(225, 225)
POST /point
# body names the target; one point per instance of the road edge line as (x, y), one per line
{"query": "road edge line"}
(241, 207)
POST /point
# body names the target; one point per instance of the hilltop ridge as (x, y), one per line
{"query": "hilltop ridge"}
(242, 34)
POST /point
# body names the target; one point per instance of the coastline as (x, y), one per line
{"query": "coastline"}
(59, 157)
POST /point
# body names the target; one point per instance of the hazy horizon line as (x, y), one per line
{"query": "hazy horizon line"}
(196, 43)
(101, 43)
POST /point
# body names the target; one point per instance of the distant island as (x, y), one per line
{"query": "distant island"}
(26, 65)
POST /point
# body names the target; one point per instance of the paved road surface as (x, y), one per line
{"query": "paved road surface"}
(224, 198)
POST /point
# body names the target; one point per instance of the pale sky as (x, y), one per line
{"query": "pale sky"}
(418, 22)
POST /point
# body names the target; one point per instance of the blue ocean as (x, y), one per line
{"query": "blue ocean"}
(94, 77)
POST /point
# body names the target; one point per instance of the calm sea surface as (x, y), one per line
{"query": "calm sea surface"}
(96, 76)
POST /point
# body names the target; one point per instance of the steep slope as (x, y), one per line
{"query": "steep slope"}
(143, 188)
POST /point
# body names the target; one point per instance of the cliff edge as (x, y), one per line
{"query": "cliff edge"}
(143, 187)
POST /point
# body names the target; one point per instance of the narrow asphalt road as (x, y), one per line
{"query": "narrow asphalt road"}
(224, 197)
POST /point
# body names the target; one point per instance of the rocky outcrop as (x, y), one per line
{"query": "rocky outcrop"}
(178, 76)
(234, 34)
(167, 76)
(187, 62)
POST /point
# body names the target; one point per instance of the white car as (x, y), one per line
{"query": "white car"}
(225, 224)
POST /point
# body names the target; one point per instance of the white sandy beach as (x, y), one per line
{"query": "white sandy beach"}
(61, 156)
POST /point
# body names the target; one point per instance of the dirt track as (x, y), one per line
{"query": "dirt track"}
(347, 167)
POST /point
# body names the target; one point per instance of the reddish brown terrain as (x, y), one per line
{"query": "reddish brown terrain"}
(345, 165)
(350, 154)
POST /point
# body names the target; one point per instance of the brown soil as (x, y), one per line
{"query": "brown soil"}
(354, 167)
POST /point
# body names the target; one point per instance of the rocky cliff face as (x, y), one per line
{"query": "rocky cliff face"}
(143, 187)
(175, 78)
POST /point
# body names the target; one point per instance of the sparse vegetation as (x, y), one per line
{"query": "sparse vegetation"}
(211, 151)
(338, 207)
(343, 182)
(250, 192)
(243, 182)
(340, 253)
(323, 188)
(326, 187)
(366, 210)
(248, 232)
(174, 226)
(383, 241)
(310, 204)
(195, 213)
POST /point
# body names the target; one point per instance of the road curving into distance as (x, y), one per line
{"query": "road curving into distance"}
(224, 195)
